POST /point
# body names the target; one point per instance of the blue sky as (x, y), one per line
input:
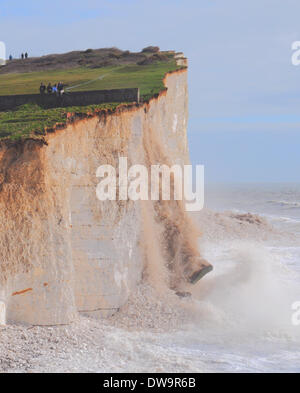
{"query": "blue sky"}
(244, 91)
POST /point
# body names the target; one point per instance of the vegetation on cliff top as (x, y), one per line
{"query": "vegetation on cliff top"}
(30, 120)
(146, 72)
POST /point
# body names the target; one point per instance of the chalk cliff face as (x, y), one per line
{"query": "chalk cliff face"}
(62, 251)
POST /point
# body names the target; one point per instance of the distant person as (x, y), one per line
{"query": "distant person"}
(10, 57)
(60, 88)
(49, 88)
(42, 88)
(26, 55)
(22, 56)
(54, 89)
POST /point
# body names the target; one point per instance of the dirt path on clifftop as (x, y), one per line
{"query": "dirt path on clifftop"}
(86, 83)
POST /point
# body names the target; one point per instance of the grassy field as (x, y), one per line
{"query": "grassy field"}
(31, 120)
(148, 78)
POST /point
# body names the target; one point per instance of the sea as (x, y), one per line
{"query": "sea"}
(243, 316)
(255, 284)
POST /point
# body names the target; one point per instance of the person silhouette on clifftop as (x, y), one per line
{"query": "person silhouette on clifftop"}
(42, 88)
(60, 88)
(54, 89)
(49, 88)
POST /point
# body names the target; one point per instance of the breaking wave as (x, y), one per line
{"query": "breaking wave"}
(286, 204)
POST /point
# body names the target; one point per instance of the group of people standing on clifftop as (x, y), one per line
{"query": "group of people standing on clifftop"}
(57, 89)
(22, 56)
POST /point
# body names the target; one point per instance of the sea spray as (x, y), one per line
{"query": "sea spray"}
(250, 290)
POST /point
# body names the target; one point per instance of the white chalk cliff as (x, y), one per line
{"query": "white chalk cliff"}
(62, 251)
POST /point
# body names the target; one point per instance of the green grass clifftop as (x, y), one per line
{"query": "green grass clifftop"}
(81, 71)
